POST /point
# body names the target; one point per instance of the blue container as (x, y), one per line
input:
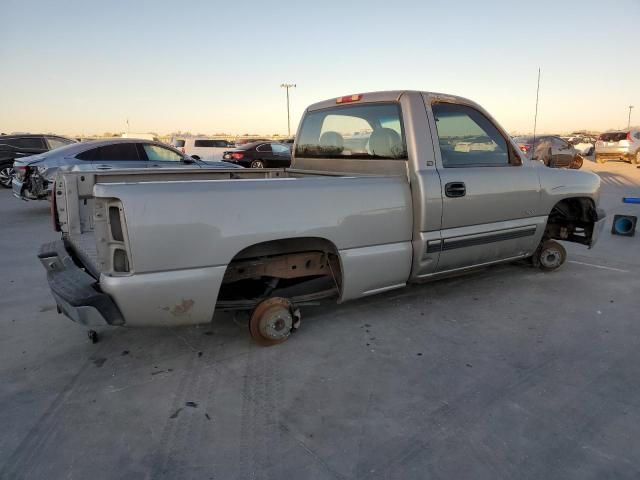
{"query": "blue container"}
(624, 225)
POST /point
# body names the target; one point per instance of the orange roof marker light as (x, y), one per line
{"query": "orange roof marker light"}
(349, 99)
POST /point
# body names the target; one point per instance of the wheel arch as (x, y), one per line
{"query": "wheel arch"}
(287, 246)
(572, 219)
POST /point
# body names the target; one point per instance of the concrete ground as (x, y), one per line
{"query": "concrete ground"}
(505, 373)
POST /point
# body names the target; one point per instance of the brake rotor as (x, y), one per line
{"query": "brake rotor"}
(272, 321)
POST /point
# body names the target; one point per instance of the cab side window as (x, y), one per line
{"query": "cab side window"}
(468, 139)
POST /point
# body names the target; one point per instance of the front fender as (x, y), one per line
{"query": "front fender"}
(558, 184)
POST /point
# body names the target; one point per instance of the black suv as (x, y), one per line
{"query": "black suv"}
(18, 146)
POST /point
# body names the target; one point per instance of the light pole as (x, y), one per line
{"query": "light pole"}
(288, 86)
(629, 121)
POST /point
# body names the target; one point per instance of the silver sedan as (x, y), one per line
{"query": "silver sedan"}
(34, 175)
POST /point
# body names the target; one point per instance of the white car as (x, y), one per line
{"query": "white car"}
(202, 148)
(585, 144)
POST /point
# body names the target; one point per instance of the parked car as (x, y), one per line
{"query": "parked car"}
(347, 221)
(202, 148)
(623, 145)
(34, 175)
(14, 147)
(585, 145)
(260, 155)
(552, 150)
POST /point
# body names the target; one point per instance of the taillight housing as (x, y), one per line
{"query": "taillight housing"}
(525, 148)
(237, 155)
(629, 137)
(54, 209)
(20, 171)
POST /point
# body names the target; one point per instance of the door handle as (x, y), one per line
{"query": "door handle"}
(104, 167)
(455, 189)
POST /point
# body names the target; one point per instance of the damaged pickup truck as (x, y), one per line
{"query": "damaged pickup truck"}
(385, 189)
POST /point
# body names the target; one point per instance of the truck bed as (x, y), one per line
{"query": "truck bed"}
(75, 201)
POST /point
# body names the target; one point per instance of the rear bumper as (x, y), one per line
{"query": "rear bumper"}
(16, 188)
(598, 226)
(614, 155)
(75, 291)
(22, 189)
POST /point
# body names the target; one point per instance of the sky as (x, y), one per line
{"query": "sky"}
(85, 67)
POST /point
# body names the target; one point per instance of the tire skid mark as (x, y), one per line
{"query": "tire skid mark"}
(261, 432)
(170, 449)
(19, 464)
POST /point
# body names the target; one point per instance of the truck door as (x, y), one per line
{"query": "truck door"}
(490, 199)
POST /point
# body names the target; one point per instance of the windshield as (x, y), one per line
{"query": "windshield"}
(613, 136)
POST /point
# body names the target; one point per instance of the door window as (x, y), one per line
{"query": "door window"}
(559, 144)
(264, 148)
(156, 153)
(117, 152)
(468, 139)
(204, 143)
(279, 149)
(57, 142)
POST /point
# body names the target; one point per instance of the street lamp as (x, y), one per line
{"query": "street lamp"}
(629, 121)
(288, 86)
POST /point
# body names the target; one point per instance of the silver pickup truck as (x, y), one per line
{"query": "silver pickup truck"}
(385, 189)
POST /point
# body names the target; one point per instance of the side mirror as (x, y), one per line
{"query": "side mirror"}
(188, 160)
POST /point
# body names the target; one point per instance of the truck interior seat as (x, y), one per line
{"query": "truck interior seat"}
(385, 142)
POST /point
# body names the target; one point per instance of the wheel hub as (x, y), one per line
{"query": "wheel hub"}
(276, 323)
(272, 321)
(551, 258)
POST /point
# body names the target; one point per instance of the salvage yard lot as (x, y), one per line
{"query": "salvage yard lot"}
(505, 373)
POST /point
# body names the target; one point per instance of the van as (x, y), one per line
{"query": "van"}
(202, 148)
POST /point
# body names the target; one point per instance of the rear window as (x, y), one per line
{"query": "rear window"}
(178, 143)
(365, 132)
(613, 136)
